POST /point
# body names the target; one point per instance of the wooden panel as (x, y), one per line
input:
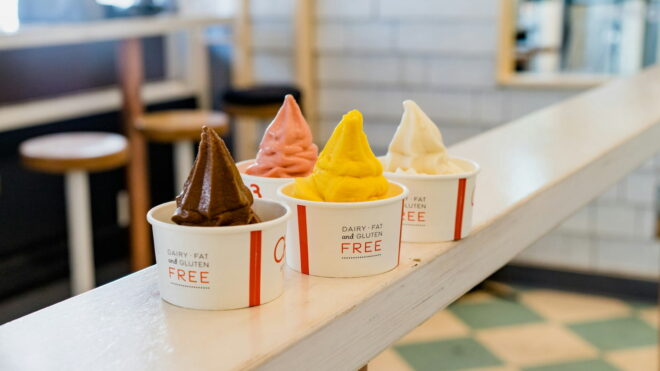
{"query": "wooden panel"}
(505, 41)
(34, 36)
(536, 171)
(58, 70)
(131, 75)
(242, 63)
(305, 60)
(88, 103)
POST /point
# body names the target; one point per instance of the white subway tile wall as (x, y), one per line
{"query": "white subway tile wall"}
(633, 258)
(462, 72)
(271, 9)
(559, 250)
(614, 193)
(414, 71)
(469, 38)
(646, 219)
(273, 67)
(641, 188)
(414, 10)
(372, 54)
(345, 9)
(490, 107)
(616, 220)
(370, 70)
(329, 38)
(272, 36)
(581, 223)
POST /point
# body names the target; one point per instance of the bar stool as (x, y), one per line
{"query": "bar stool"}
(181, 128)
(75, 155)
(257, 101)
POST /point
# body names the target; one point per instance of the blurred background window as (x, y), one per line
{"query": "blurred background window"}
(9, 21)
(593, 37)
(68, 11)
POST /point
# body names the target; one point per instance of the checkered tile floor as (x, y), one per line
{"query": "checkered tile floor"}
(531, 330)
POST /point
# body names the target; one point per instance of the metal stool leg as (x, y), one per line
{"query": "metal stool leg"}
(184, 156)
(79, 223)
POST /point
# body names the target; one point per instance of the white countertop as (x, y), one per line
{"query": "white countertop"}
(536, 171)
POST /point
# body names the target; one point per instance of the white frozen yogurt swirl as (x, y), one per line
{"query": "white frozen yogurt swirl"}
(417, 146)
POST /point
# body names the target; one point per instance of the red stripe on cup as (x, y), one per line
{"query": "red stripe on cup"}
(400, 231)
(255, 268)
(460, 203)
(302, 238)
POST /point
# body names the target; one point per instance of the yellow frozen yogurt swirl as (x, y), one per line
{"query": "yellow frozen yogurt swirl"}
(346, 170)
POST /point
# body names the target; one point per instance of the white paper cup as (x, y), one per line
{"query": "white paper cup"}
(438, 207)
(220, 267)
(261, 186)
(344, 239)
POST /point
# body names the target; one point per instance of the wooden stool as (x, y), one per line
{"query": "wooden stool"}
(75, 155)
(181, 128)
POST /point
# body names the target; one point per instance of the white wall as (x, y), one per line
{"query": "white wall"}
(373, 54)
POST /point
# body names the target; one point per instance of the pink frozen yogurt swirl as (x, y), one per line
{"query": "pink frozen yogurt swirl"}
(286, 150)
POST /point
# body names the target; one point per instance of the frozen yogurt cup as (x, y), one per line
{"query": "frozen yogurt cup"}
(439, 206)
(344, 239)
(224, 267)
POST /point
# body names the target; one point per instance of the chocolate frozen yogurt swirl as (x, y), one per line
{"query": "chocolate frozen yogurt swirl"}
(214, 194)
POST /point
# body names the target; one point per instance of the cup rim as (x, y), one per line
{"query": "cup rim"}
(261, 178)
(346, 205)
(466, 174)
(245, 162)
(220, 229)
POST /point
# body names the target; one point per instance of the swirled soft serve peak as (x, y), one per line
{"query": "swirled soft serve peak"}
(417, 146)
(286, 150)
(346, 170)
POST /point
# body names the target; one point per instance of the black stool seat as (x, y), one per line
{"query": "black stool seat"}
(260, 95)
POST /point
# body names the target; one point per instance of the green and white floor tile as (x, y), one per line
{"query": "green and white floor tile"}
(532, 330)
